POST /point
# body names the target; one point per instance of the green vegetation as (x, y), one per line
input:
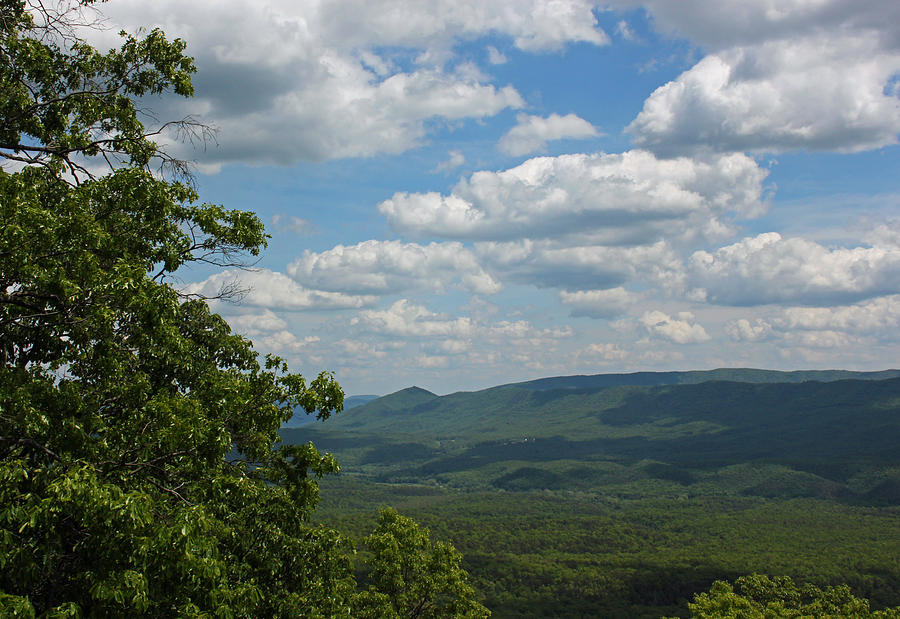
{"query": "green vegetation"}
(832, 440)
(759, 597)
(576, 554)
(140, 468)
(411, 576)
(626, 500)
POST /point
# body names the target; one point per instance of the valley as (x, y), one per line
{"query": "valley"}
(622, 495)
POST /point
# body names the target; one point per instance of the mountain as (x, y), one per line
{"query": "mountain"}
(357, 400)
(555, 405)
(386, 407)
(685, 430)
(742, 375)
(620, 495)
(300, 417)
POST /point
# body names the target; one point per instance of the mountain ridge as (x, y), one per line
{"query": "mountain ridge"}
(803, 438)
(411, 403)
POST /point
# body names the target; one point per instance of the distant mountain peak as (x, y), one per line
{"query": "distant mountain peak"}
(414, 390)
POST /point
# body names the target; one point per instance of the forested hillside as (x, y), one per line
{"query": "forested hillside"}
(800, 439)
(581, 496)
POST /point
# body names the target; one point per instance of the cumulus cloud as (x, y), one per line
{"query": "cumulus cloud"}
(456, 159)
(532, 133)
(606, 351)
(548, 264)
(406, 319)
(454, 347)
(863, 330)
(884, 234)
(292, 81)
(388, 267)
(744, 330)
(495, 56)
(769, 269)
(268, 331)
(779, 76)
(824, 93)
(877, 317)
(284, 341)
(255, 324)
(633, 197)
(727, 23)
(679, 330)
(292, 224)
(625, 31)
(607, 303)
(270, 289)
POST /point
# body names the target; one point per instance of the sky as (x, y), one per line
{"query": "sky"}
(465, 193)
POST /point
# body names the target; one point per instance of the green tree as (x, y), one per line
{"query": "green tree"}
(140, 471)
(762, 597)
(140, 467)
(412, 576)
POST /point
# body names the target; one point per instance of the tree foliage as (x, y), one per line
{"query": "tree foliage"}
(140, 467)
(762, 597)
(412, 576)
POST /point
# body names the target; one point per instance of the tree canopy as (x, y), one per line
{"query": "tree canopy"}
(763, 597)
(140, 466)
(412, 576)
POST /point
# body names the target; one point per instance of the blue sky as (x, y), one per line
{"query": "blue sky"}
(470, 192)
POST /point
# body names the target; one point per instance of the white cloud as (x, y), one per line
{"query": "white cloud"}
(818, 339)
(456, 159)
(824, 93)
(769, 269)
(877, 317)
(455, 347)
(632, 197)
(625, 31)
(532, 133)
(884, 234)
(358, 349)
(290, 223)
(743, 330)
(275, 290)
(679, 330)
(727, 23)
(865, 332)
(796, 74)
(432, 361)
(495, 56)
(255, 324)
(607, 351)
(268, 331)
(388, 267)
(406, 319)
(293, 81)
(582, 267)
(284, 342)
(607, 303)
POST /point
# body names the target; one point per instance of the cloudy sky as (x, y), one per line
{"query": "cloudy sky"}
(463, 193)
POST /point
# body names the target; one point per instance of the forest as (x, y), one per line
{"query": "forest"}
(624, 495)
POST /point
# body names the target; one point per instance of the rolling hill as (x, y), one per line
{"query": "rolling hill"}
(810, 434)
(620, 495)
